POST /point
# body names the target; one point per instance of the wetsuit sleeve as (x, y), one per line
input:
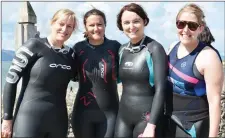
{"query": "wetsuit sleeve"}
(117, 60)
(160, 74)
(120, 53)
(75, 66)
(24, 56)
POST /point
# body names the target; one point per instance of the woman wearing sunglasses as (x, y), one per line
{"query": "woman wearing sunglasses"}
(195, 78)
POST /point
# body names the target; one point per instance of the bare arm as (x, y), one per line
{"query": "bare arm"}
(213, 74)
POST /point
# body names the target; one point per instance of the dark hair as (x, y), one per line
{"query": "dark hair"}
(93, 12)
(206, 36)
(133, 7)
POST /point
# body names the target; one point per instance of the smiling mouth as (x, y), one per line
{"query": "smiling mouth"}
(186, 36)
(63, 34)
(95, 33)
(133, 33)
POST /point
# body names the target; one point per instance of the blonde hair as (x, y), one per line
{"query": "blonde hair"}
(65, 12)
(206, 35)
(194, 9)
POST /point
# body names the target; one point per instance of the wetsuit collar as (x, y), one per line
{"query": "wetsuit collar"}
(135, 49)
(94, 47)
(64, 49)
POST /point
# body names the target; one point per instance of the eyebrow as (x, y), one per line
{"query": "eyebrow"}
(134, 19)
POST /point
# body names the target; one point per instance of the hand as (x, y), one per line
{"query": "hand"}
(6, 128)
(149, 131)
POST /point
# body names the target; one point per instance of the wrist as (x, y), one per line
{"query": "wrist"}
(152, 126)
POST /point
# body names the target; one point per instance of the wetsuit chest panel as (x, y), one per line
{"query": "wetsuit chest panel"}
(101, 67)
(133, 67)
(181, 73)
(51, 66)
(97, 72)
(50, 73)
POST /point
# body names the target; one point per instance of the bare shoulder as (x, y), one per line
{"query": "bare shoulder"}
(172, 45)
(208, 55)
(208, 58)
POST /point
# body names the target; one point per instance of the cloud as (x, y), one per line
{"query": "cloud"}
(8, 40)
(10, 14)
(161, 26)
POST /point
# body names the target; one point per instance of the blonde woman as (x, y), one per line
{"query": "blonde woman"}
(195, 76)
(46, 66)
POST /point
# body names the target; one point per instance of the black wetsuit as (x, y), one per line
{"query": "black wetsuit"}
(143, 71)
(46, 73)
(96, 103)
(187, 103)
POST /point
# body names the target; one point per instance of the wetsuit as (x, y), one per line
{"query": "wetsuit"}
(143, 72)
(45, 74)
(96, 103)
(187, 103)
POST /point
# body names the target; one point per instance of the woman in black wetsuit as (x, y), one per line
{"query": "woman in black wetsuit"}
(195, 78)
(46, 66)
(143, 72)
(96, 103)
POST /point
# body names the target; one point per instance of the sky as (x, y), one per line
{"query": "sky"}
(161, 14)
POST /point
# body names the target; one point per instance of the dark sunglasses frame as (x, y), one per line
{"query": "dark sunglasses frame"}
(193, 26)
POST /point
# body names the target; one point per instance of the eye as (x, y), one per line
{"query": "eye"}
(126, 22)
(61, 24)
(136, 21)
(70, 26)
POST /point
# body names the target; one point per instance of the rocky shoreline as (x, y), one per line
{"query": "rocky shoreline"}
(222, 122)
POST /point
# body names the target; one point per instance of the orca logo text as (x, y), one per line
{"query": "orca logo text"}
(53, 65)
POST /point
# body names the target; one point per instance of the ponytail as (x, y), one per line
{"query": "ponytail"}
(206, 36)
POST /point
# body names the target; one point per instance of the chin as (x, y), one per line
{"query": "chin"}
(134, 37)
(61, 39)
(186, 42)
(97, 38)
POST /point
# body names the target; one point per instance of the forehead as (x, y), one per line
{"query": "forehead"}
(188, 16)
(94, 18)
(129, 15)
(66, 19)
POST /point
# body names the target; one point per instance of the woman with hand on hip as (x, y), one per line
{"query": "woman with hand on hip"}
(47, 66)
(195, 78)
(143, 72)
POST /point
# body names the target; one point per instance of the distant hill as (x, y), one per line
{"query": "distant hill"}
(7, 55)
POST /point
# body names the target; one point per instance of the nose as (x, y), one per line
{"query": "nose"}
(131, 26)
(95, 27)
(64, 28)
(186, 28)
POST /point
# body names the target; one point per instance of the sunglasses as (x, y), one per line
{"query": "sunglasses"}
(193, 26)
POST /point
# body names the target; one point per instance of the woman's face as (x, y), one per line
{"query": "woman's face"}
(95, 27)
(133, 25)
(62, 28)
(188, 28)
